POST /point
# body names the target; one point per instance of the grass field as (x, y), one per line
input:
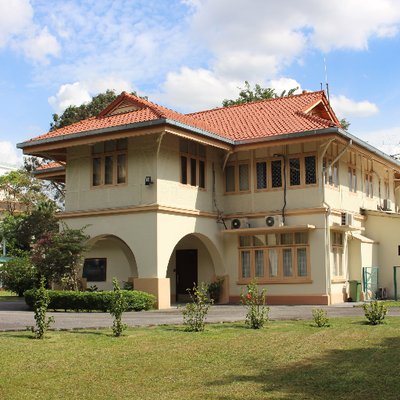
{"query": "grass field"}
(286, 360)
(6, 295)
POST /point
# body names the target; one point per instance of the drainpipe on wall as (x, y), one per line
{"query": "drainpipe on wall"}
(379, 188)
(327, 214)
(226, 159)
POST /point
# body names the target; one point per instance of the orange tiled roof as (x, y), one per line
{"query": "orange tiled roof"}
(261, 119)
(50, 165)
(271, 117)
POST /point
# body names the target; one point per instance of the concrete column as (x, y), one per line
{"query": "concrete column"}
(159, 287)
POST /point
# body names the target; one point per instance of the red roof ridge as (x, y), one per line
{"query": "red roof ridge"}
(304, 93)
(315, 118)
(140, 101)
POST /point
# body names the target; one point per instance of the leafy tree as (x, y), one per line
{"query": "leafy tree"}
(345, 124)
(248, 95)
(54, 190)
(74, 114)
(21, 230)
(58, 256)
(21, 191)
(18, 275)
(93, 108)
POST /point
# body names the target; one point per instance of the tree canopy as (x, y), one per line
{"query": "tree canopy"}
(248, 94)
(93, 108)
(20, 190)
(74, 114)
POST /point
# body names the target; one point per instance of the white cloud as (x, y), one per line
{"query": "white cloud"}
(194, 90)
(75, 94)
(19, 31)
(257, 39)
(70, 94)
(40, 46)
(386, 140)
(15, 18)
(284, 84)
(345, 107)
(8, 155)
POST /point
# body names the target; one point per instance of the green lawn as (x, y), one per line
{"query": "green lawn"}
(286, 360)
(6, 295)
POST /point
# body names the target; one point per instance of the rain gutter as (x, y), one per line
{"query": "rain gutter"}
(171, 122)
(120, 128)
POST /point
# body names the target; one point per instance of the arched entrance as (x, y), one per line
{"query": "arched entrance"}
(194, 259)
(108, 257)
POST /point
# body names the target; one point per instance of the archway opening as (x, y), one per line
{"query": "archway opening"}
(193, 260)
(108, 257)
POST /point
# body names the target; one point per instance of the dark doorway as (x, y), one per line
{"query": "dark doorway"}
(186, 273)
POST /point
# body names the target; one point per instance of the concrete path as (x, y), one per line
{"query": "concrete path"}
(14, 315)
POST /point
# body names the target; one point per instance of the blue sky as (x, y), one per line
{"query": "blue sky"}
(189, 55)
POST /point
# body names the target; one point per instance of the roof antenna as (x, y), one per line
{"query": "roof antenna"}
(326, 80)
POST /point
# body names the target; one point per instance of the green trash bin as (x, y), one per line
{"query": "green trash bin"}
(355, 290)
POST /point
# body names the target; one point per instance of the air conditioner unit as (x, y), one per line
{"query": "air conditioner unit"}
(238, 223)
(274, 221)
(347, 218)
(387, 205)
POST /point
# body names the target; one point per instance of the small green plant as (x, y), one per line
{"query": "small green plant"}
(195, 313)
(375, 312)
(40, 309)
(92, 288)
(118, 306)
(214, 289)
(257, 312)
(320, 318)
(127, 285)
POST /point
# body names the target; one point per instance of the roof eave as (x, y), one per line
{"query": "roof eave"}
(136, 125)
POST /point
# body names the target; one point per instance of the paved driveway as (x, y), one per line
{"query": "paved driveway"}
(16, 316)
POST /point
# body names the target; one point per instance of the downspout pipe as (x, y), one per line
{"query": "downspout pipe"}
(325, 147)
(327, 214)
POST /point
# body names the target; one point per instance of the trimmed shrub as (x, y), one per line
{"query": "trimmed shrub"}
(375, 312)
(320, 317)
(69, 300)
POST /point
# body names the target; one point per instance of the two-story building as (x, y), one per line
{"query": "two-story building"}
(273, 191)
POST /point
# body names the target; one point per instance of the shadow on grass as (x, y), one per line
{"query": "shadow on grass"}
(339, 374)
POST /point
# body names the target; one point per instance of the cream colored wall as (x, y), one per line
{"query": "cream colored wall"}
(170, 192)
(385, 229)
(172, 228)
(271, 201)
(120, 264)
(141, 161)
(137, 230)
(317, 260)
(342, 198)
(205, 267)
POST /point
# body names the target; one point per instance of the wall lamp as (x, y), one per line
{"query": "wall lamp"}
(148, 181)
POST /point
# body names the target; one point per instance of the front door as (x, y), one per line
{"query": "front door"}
(186, 273)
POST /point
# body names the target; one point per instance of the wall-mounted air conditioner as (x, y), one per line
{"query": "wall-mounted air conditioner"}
(240, 223)
(387, 205)
(347, 218)
(274, 221)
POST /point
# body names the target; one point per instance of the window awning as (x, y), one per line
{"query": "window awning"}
(347, 228)
(362, 238)
(266, 229)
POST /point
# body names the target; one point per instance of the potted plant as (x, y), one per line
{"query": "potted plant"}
(214, 289)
